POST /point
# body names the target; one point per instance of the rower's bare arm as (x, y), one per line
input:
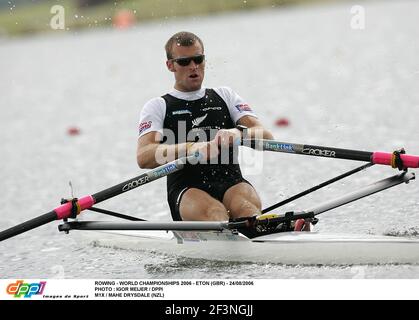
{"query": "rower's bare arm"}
(255, 128)
(146, 150)
(151, 153)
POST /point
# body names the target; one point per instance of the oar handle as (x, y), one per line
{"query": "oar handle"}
(28, 225)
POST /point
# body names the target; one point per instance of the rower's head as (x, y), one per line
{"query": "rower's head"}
(185, 58)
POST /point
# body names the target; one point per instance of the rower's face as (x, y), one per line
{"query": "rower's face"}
(189, 77)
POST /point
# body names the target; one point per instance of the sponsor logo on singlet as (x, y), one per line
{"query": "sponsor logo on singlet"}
(212, 108)
(178, 112)
(244, 107)
(144, 126)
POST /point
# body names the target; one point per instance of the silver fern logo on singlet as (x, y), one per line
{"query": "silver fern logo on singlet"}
(197, 121)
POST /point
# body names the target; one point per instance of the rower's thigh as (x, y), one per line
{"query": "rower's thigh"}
(196, 204)
(242, 200)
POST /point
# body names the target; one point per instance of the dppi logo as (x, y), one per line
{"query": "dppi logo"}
(27, 290)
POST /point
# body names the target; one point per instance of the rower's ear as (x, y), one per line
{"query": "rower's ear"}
(170, 65)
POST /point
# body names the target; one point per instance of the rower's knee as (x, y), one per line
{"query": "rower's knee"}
(245, 208)
(242, 201)
(210, 213)
(216, 212)
(197, 205)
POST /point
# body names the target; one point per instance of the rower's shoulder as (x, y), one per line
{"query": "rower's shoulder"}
(154, 107)
(226, 93)
(155, 103)
(224, 90)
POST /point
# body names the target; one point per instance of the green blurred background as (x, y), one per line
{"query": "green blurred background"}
(20, 17)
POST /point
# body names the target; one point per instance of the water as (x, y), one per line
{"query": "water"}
(341, 87)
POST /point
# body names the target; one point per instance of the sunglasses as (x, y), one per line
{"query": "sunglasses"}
(198, 59)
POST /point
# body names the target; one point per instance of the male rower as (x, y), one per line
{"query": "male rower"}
(192, 119)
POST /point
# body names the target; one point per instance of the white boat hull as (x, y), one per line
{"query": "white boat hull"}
(302, 248)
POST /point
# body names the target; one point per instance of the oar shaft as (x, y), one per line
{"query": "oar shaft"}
(143, 179)
(65, 210)
(409, 161)
(28, 225)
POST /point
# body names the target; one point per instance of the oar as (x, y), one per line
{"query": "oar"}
(395, 159)
(72, 208)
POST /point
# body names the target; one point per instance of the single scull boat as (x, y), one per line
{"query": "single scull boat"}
(302, 248)
(267, 238)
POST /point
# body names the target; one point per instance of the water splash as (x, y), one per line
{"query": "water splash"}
(411, 232)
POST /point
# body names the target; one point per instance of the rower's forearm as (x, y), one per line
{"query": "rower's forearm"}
(155, 155)
(146, 156)
(169, 152)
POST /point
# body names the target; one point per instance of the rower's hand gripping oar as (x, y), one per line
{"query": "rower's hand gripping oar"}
(397, 159)
(72, 208)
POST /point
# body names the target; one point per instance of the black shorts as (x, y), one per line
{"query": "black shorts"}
(214, 189)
